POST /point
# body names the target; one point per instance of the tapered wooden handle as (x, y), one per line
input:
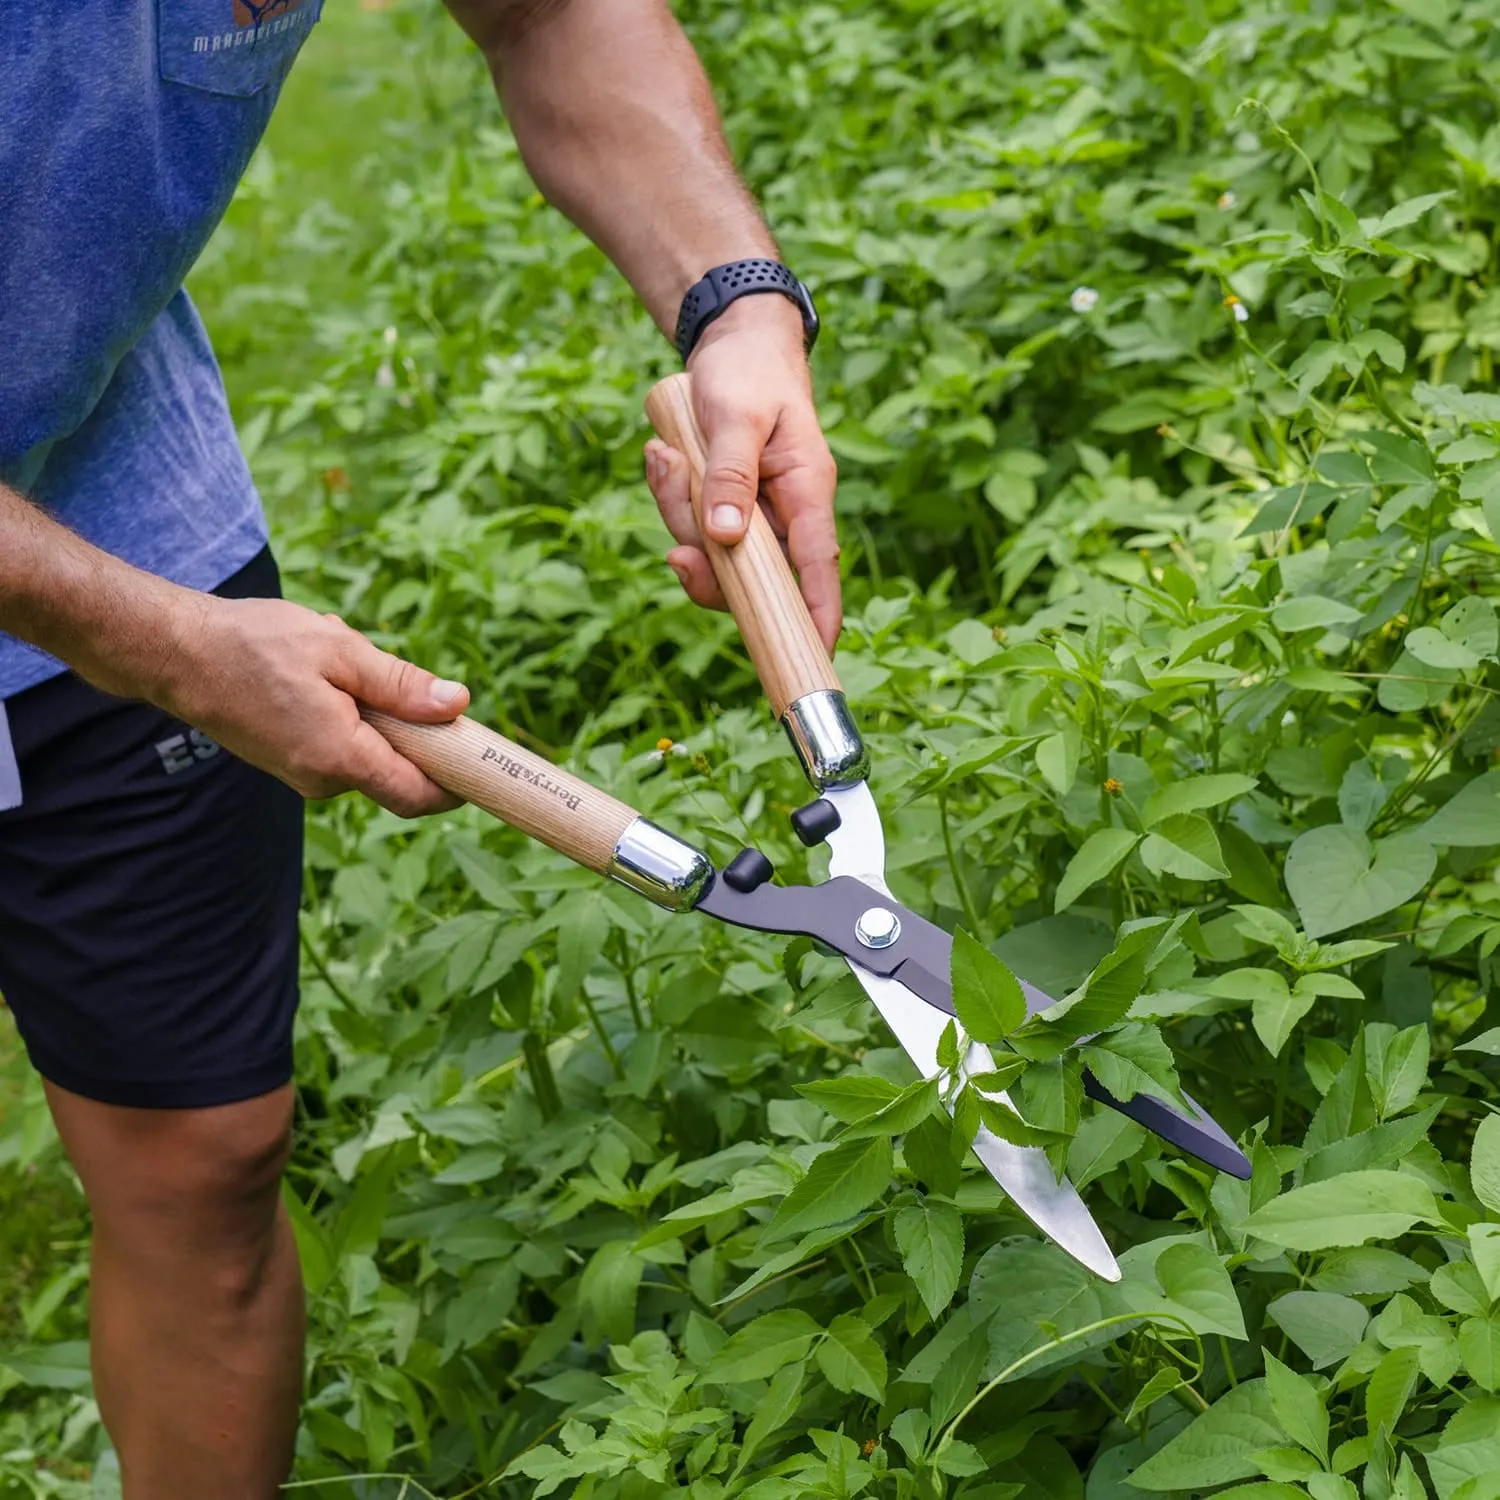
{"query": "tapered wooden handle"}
(762, 593)
(516, 786)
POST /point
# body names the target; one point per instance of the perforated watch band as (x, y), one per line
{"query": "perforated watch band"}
(707, 299)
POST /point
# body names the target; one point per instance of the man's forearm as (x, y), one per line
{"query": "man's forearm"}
(617, 125)
(111, 623)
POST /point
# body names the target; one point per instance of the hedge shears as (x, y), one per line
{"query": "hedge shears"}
(900, 958)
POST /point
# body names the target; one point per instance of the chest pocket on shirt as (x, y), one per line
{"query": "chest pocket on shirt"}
(233, 47)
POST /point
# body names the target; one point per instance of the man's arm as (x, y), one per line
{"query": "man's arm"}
(616, 123)
(272, 682)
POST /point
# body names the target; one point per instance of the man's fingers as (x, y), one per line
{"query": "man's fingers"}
(802, 495)
(386, 682)
(696, 576)
(667, 475)
(809, 538)
(377, 770)
(731, 478)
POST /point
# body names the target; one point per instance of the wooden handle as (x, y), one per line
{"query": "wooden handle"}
(762, 593)
(516, 786)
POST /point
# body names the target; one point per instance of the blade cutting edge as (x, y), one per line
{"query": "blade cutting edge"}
(857, 848)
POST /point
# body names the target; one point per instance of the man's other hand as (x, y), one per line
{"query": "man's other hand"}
(280, 686)
(754, 402)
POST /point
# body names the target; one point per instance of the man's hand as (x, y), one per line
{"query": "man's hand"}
(754, 403)
(280, 686)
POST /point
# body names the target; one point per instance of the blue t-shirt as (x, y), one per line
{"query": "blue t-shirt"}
(124, 128)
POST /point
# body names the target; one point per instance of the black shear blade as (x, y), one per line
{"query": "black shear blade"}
(1197, 1133)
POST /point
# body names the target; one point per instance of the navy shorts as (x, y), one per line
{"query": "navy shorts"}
(149, 886)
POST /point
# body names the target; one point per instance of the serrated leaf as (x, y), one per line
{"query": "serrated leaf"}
(1099, 854)
(986, 995)
(905, 1112)
(759, 1349)
(838, 1184)
(930, 1236)
(852, 1097)
(850, 1358)
(1134, 1060)
(1347, 1210)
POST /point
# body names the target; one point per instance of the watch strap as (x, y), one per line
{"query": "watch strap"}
(724, 285)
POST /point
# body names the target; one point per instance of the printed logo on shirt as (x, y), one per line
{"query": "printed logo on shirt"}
(231, 46)
(180, 752)
(248, 13)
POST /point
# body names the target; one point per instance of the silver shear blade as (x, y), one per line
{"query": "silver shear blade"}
(858, 849)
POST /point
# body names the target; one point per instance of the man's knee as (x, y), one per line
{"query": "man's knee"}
(167, 1184)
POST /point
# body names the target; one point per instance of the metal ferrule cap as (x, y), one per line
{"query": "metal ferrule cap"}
(660, 866)
(823, 734)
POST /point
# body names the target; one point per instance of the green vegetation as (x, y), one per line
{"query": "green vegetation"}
(1161, 340)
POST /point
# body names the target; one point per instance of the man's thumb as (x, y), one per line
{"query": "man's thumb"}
(409, 692)
(731, 482)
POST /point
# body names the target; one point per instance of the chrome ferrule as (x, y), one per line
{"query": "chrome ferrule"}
(660, 866)
(823, 734)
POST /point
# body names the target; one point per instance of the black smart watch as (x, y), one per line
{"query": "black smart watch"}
(708, 298)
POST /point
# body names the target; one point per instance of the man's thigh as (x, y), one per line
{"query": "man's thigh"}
(149, 886)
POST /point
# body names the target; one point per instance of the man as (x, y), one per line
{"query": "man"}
(164, 706)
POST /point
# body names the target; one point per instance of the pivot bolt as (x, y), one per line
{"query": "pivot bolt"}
(878, 927)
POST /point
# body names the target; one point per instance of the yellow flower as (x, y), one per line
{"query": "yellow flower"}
(663, 745)
(1113, 787)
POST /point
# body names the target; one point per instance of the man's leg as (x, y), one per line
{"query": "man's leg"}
(196, 1307)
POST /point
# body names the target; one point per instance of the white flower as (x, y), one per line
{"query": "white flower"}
(1084, 299)
(1227, 200)
(390, 337)
(385, 376)
(1241, 313)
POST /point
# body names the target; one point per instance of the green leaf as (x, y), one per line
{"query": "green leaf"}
(1101, 852)
(772, 1411)
(838, 1184)
(1391, 1384)
(854, 1096)
(1470, 819)
(607, 1292)
(1218, 1446)
(1134, 1060)
(1106, 997)
(1325, 1326)
(1484, 1246)
(930, 1237)
(1347, 1210)
(759, 1349)
(1193, 794)
(1297, 1408)
(905, 1112)
(986, 996)
(1338, 878)
(1479, 1343)
(1184, 845)
(1484, 1163)
(851, 1359)
(1312, 612)
(1194, 1278)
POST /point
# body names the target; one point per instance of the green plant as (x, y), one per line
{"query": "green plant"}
(1161, 346)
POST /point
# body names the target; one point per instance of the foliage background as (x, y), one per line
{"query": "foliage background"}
(1171, 601)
